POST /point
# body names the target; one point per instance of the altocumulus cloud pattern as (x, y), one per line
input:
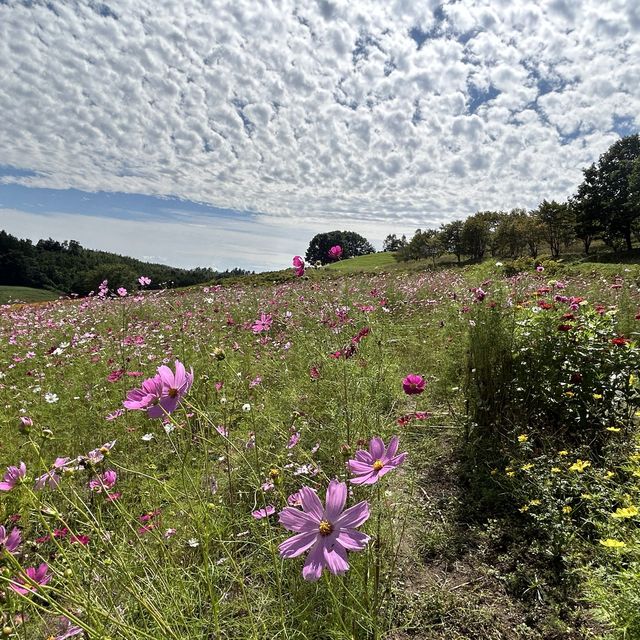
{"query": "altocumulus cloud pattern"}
(369, 110)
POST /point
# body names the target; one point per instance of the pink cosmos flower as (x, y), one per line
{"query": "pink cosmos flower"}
(413, 384)
(144, 281)
(105, 481)
(326, 532)
(539, 268)
(95, 456)
(174, 387)
(10, 541)
(122, 292)
(298, 265)
(52, 477)
(162, 393)
(25, 584)
(25, 422)
(263, 324)
(265, 512)
(13, 476)
(293, 440)
(335, 252)
(370, 466)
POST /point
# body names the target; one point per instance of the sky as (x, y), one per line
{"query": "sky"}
(223, 134)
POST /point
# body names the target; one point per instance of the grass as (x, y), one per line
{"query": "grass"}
(26, 294)
(370, 263)
(180, 554)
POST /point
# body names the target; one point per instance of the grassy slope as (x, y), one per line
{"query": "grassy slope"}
(25, 294)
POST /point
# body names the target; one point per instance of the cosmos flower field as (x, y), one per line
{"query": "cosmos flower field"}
(250, 461)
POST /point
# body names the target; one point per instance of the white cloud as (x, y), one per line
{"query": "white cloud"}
(318, 110)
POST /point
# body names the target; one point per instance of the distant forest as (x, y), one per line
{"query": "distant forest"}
(68, 267)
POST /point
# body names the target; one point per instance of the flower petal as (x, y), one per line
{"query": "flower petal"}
(336, 499)
(376, 448)
(298, 544)
(392, 448)
(311, 503)
(336, 559)
(314, 563)
(296, 520)
(355, 466)
(353, 516)
(367, 478)
(353, 540)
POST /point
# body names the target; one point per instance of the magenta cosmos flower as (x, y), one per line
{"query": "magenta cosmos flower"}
(10, 541)
(13, 476)
(413, 384)
(326, 532)
(371, 465)
(144, 281)
(298, 265)
(162, 393)
(39, 576)
(263, 324)
(52, 477)
(335, 252)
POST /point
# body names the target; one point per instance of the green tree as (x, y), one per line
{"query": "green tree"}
(393, 243)
(558, 224)
(476, 233)
(451, 238)
(353, 244)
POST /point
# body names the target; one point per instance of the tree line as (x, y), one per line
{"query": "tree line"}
(70, 268)
(606, 206)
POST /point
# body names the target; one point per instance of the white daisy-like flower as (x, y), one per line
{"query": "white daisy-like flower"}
(51, 398)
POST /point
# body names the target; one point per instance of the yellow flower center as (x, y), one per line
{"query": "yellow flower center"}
(325, 528)
(274, 473)
(377, 465)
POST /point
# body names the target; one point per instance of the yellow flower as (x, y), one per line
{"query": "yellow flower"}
(625, 512)
(566, 509)
(524, 508)
(511, 474)
(564, 452)
(614, 429)
(597, 396)
(612, 544)
(523, 437)
(586, 496)
(579, 465)
(635, 457)
(526, 467)
(534, 503)
(632, 379)
(556, 469)
(570, 394)
(609, 474)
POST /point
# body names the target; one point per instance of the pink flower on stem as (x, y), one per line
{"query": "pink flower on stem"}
(25, 422)
(13, 476)
(293, 440)
(52, 478)
(335, 252)
(413, 384)
(263, 324)
(326, 532)
(105, 481)
(10, 541)
(369, 466)
(33, 578)
(298, 265)
(265, 512)
(162, 393)
(122, 292)
(144, 281)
